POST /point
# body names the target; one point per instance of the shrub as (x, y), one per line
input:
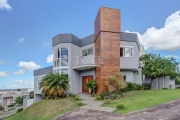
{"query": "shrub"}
(80, 103)
(11, 105)
(93, 95)
(99, 97)
(73, 95)
(170, 86)
(70, 94)
(164, 88)
(1, 108)
(120, 106)
(91, 84)
(146, 86)
(105, 95)
(115, 82)
(107, 101)
(19, 110)
(77, 98)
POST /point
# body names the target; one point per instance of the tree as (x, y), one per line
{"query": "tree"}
(155, 66)
(54, 85)
(31, 94)
(19, 100)
(115, 82)
(18, 89)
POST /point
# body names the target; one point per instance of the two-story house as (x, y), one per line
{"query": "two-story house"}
(95, 56)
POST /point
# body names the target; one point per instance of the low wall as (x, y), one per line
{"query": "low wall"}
(177, 86)
(27, 103)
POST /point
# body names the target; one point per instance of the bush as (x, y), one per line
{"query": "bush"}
(99, 97)
(80, 103)
(77, 98)
(1, 108)
(73, 95)
(93, 95)
(107, 101)
(164, 88)
(146, 86)
(19, 110)
(120, 106)
(11, 105)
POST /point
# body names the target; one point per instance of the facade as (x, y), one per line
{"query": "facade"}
(8, 98)
(95, 56)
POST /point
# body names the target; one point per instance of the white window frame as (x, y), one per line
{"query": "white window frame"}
(61, 67)
(124, 51)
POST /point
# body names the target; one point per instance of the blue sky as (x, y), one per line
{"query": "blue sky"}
(27, 28)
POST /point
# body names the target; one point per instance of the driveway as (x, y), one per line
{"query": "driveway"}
(171, 112)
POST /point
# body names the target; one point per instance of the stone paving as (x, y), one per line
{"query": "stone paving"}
(170, 112)
(91, 104)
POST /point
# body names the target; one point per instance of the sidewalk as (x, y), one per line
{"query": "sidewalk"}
(91, 104)
(7, 114)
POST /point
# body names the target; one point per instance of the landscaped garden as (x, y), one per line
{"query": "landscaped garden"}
(46, 109)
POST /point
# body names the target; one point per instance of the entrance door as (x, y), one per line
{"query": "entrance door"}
(84, 81)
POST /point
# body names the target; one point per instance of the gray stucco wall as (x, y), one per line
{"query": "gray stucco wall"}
(38, 97)
(130, 62)
(27, 103)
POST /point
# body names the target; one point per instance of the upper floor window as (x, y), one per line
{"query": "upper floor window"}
(87, 52)
(126, 51)
(60, 57)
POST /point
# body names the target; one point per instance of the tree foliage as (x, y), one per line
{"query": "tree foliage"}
(155, 66)
(31, 94)
(54, 85)
(19, 100)
(115, 82)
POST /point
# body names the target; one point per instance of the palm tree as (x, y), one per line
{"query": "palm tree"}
(54, 85)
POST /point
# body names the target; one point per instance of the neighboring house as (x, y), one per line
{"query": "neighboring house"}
(8, 98)
(95, 56)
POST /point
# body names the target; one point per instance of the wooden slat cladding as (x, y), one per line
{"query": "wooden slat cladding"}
(107, 45)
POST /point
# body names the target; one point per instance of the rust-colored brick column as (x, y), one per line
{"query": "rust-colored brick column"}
(107, 45)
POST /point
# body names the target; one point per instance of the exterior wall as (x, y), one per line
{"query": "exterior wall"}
(38, 97)
(90, 58)
(130, 62)
(163, 82)
(129, 75)
(27, 103)
(107, 42)
(36, 88)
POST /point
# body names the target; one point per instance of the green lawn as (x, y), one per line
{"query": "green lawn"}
(46, 109)
(137, 100)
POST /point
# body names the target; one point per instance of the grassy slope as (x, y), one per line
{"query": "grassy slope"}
(45, 109)
(143, 99)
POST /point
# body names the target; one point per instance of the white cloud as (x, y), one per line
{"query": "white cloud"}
(22, 84)
(20, 72)
(2, 62)
(29, 65)
(176, 57)
(4, 5)
(21, 40)
(4, 74)
(49, 58)
(165, 38)
(45, 44)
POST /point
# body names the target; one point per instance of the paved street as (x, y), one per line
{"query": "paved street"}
(171, 112)
(6, 114)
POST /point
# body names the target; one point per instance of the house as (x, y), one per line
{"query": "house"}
(95, 56)
(8, 98)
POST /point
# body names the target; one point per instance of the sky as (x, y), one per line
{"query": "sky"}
(27, 29)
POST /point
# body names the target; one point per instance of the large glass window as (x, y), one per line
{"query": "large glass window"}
(126, 51)
(64, 56)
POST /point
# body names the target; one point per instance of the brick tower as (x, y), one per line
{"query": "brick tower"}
(107, 44)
